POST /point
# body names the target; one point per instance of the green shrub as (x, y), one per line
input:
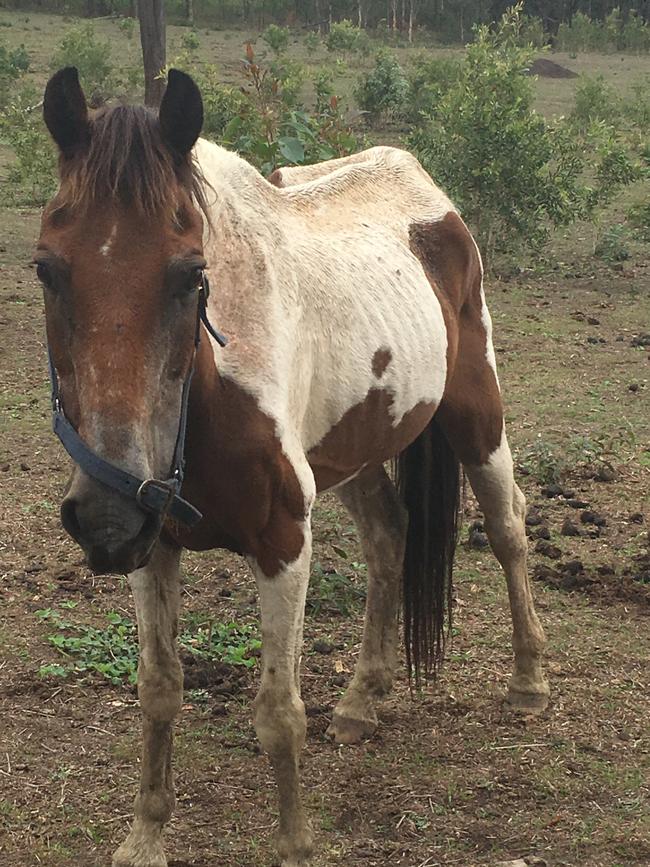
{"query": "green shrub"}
(384, 89)
(268, 124)
(190, 41)
(532, 32)
(343, 36)
(92, 57)
(14, 63)
(613, 244)
(615, 33)
(595, 100)
(512, 174)
(277, 38)
(127, 27)
(31, 177)
(312, 41)
(639, 218)
(428, 81)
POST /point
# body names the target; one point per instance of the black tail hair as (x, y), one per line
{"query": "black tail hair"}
(427, 476)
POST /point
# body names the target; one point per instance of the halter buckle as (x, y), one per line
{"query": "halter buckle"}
(148, 495)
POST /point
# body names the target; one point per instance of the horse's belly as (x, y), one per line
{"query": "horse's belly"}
(379, 374)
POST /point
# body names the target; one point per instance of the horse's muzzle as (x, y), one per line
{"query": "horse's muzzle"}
(115, 534)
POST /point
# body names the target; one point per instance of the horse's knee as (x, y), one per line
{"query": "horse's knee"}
(160, 690)
(280, 722)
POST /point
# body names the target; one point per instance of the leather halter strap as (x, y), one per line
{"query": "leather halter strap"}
(160, 496)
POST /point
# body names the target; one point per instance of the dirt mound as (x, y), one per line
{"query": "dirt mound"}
(549, 69)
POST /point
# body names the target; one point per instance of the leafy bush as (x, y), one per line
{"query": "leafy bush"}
(428, 81)
(272, 128)
(81, 48)
(343, 36)
(312, 41)
(190, 40)
(613, 244)
(14, 63)
(127, 26)
(31, 178)
(595, 100)
(615, 33)
(532, 32)
(639, 218)
(277, 38)
(513, 174)
(384, 88)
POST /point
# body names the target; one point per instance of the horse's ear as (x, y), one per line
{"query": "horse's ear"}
(65, 111)
(181, 113)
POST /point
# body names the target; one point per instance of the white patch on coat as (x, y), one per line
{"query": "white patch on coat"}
(310, 280)
(105, 249)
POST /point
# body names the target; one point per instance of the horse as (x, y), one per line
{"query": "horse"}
(356, 333)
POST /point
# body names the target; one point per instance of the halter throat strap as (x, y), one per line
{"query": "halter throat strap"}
(160, 496)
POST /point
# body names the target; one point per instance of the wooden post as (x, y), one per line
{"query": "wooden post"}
(152, 37)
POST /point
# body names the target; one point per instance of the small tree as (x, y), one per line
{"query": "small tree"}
(384, 89)
(510, 172)
(277, 38)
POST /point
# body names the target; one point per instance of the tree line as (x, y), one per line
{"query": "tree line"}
(449, 20)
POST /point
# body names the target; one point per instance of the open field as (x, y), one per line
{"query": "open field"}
(451, 778)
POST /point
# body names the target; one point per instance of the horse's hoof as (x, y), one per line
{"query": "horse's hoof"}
(527, 702)
(347, 730)
(137, 851)
(297, 850)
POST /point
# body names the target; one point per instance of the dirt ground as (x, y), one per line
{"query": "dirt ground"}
(450, 777)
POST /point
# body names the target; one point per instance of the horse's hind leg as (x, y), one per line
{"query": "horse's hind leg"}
(504, 508)
(160, 688)
(372, 501)
(471, 416)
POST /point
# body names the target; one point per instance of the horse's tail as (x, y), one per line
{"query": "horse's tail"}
(427, 475)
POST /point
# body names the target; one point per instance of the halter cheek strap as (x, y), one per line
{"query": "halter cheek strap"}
(152, 495)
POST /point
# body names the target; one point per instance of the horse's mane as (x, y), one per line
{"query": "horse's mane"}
(127, 160)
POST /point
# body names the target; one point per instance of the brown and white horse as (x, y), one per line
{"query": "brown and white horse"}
(351, 293)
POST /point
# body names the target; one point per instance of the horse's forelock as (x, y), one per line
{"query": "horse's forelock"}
(128, 161)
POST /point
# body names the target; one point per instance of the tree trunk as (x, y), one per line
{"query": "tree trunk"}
(189, 11)
(360, 25)
(152, 36)
(411, 19)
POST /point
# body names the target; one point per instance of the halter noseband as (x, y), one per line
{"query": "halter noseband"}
(152, 495)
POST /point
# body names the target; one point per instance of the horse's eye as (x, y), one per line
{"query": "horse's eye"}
(196, 278)
(44, 274)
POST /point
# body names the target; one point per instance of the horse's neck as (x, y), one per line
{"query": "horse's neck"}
(234, 189)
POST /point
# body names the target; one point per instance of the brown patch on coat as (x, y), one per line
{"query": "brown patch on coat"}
(365, 436)
(275, 178)
(471, 411)
(380, 361)
(237, 474)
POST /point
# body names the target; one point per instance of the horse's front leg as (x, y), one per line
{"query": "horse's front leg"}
(160, 689)
(280, 720)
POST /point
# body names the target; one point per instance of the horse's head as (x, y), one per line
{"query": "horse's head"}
(120, 257)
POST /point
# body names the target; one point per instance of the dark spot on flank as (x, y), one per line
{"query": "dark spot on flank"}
(380, 361)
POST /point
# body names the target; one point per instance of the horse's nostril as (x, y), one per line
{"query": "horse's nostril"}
(69, 517)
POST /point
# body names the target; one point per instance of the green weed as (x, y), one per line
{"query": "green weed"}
(112, 651)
